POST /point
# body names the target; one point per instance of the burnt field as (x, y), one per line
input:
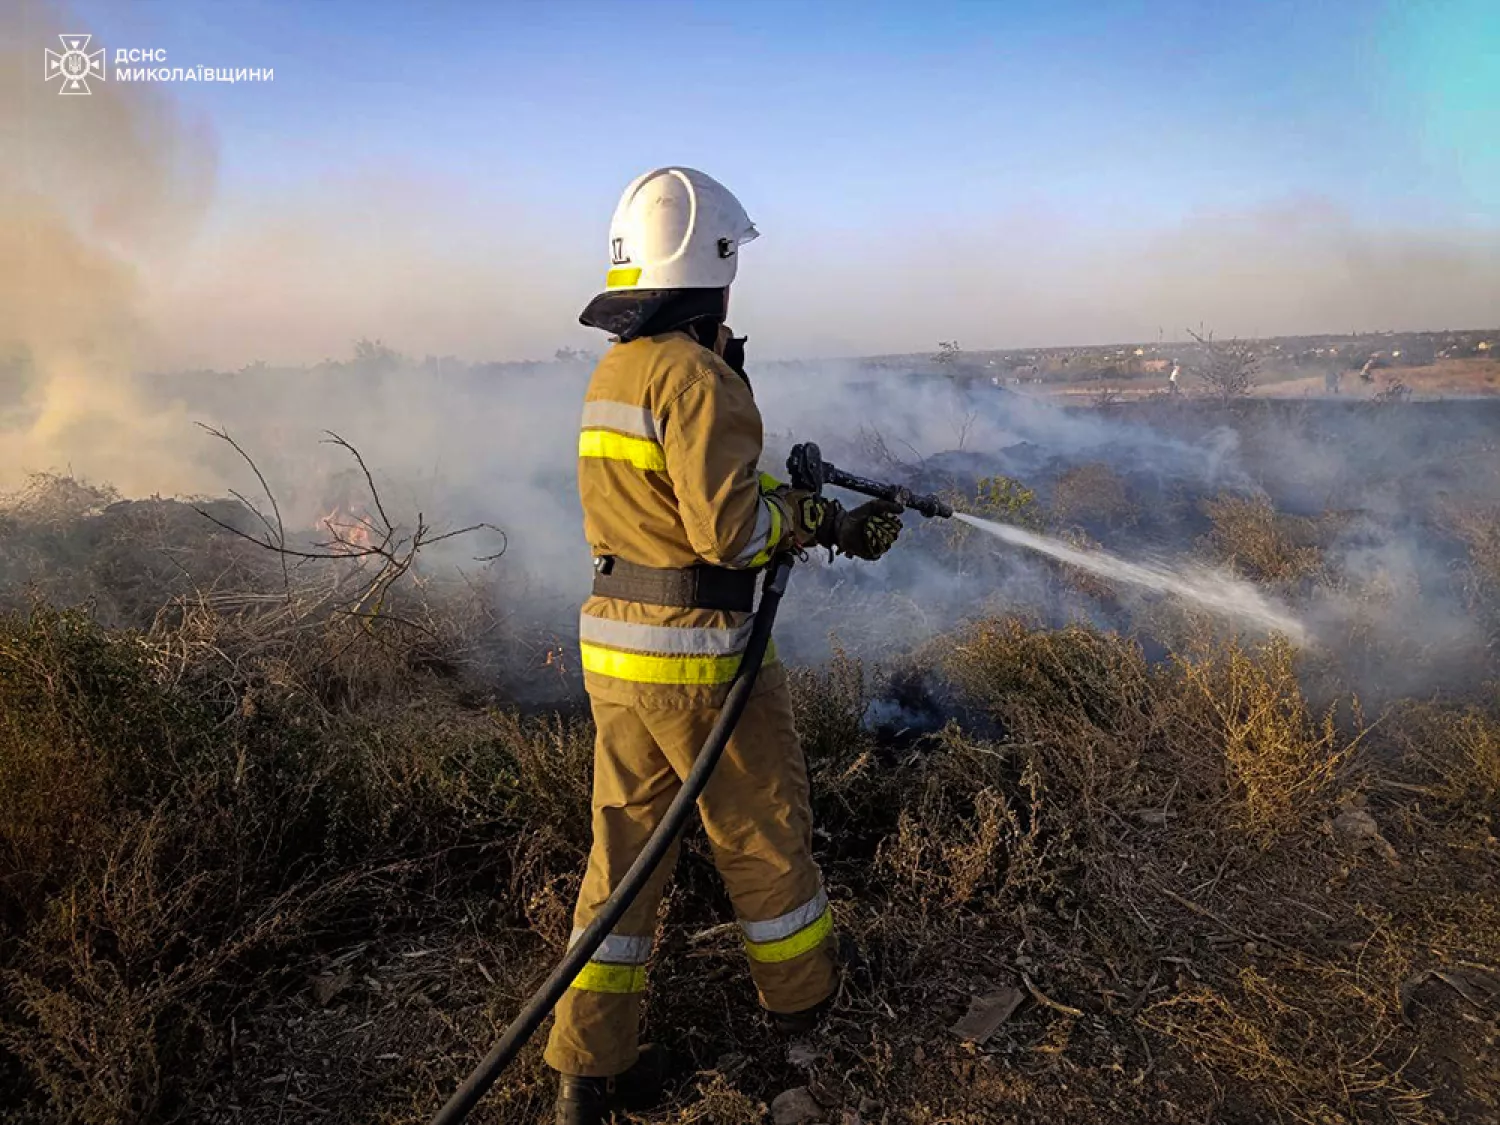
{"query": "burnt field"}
(287, 839)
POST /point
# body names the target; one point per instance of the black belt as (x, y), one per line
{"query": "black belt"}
(693, 587)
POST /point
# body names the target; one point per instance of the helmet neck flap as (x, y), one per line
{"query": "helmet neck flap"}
(629, 314)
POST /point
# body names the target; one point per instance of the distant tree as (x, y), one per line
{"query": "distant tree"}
(948, 352)
(373, 357)
(1226, 369)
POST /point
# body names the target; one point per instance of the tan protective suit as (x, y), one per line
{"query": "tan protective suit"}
(668, 477)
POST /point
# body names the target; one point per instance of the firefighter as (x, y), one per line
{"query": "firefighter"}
(680, 519)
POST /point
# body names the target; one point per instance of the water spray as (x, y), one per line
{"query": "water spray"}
(1216, 591)
(1220, 593)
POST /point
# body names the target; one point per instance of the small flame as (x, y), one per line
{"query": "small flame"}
(350, 534)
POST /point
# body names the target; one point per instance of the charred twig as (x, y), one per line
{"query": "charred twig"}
(1047, 1002)
(335, 439)
(1240, 931)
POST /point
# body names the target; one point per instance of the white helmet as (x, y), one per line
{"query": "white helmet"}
(676, 228)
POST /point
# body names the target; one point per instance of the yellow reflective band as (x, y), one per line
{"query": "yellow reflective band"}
(600, 977)
(662, 640)
(622, 417)
(803, 941)
(643, 453)
(768, 483)
(642, 669)
(622, 278)
(773, 540)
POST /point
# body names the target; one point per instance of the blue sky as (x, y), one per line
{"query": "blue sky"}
(899, 158)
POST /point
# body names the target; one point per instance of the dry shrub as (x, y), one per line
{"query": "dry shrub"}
(1092, 705)
(73, 543)
(1260, 542)
(829, 705)
(999, 498)
(719, 1103)
(1093, 494)
(160, 843)
(84, 732)
(1098, 590)
(1459, 749)
(969, 832)
(1479, 531)
(1082, 697)
(1226, 368)
(1279, 758)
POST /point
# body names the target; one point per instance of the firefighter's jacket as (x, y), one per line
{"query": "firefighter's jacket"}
(667, 472)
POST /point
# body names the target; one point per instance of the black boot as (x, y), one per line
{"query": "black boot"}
(582, 1101)
(793, 1025)
(592, 1101)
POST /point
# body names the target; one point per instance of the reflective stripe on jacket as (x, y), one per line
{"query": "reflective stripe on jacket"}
(668, 446)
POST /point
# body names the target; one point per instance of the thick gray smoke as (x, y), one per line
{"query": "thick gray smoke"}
(497, 444)
(91, 191)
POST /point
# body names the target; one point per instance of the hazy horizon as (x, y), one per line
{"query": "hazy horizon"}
(1053, 175)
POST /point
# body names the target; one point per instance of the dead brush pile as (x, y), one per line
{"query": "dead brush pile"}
(264, 861)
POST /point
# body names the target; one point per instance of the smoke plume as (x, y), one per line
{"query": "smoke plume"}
(94, 190)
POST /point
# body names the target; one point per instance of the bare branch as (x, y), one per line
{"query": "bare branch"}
(334, 439)
(223, 435)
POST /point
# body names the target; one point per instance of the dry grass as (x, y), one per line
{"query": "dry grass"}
(1457, 747)
(263, 861)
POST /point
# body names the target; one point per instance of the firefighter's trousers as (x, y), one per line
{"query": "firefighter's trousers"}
(759, 824)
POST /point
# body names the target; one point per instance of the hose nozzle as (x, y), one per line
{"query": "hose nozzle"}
(810, 472)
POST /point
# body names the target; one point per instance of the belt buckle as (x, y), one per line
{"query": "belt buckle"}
(603, 564)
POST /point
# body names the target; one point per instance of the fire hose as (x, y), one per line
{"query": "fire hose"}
(810, 472)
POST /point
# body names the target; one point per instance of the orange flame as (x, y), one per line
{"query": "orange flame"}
(350, 534)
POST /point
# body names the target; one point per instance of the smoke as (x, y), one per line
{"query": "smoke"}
(95, 190)
(497, 444)
(112, 272)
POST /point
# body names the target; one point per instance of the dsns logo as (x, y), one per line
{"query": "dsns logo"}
(75, 66)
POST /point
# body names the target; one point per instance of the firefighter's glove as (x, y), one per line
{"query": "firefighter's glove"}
(870, 530)
(814, 520)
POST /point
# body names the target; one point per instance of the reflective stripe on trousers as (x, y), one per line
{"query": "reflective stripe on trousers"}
(790, 935)
(618, 965)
